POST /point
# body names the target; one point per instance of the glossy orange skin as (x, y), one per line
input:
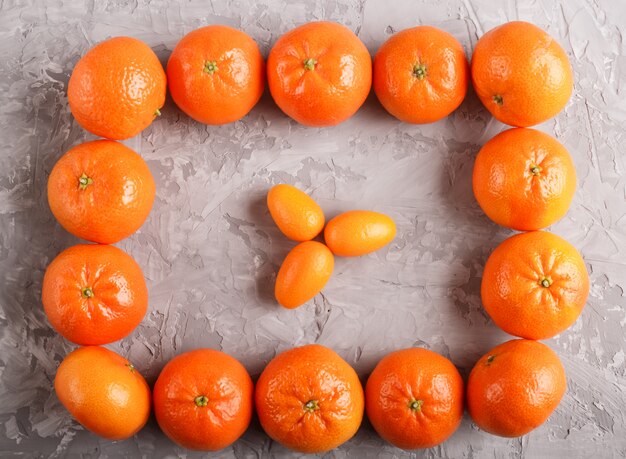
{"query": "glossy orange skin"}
(525, 67)
(311, 373)
(512, 291)
(229, 92)
(117, 88)
(104, 392)
(303, 274)
(228, 409)
(410, 376)
(515, 387)
(116, 304)
(114, 204)
(334, 89)
(358, 232)
(398, 81)
(297, 215)
(507, 189)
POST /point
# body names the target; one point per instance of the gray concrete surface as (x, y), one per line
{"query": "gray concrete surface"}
(210, 251)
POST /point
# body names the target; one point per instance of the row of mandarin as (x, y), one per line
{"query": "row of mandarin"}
(534, 284)
(319, 74)
(308, 398)
(100, 191)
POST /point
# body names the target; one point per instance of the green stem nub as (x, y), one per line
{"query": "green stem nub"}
(534, 169)
(311, 406)
(490, 359)
(545, 282)
(210, 67)
(201, 400)
(416, 405)
(84, 181)
(131, 367)
(419, 71)
(498, 100)
(157, 112)
(87, 292)
(309, 64)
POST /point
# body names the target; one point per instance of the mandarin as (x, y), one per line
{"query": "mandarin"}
(94, 294)
(524, 179)
(534, 285)
(414, 398)
(515, 387)
(521, 74)
(216, 74)
(203, 400)
(101, 191)
(421, 74)
(319, 73)
(104, 392)
(117, 89)
(309, 399)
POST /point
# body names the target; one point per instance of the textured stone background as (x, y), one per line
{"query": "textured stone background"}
(210, 251)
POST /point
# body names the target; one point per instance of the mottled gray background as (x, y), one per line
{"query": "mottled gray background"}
(210, 251)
